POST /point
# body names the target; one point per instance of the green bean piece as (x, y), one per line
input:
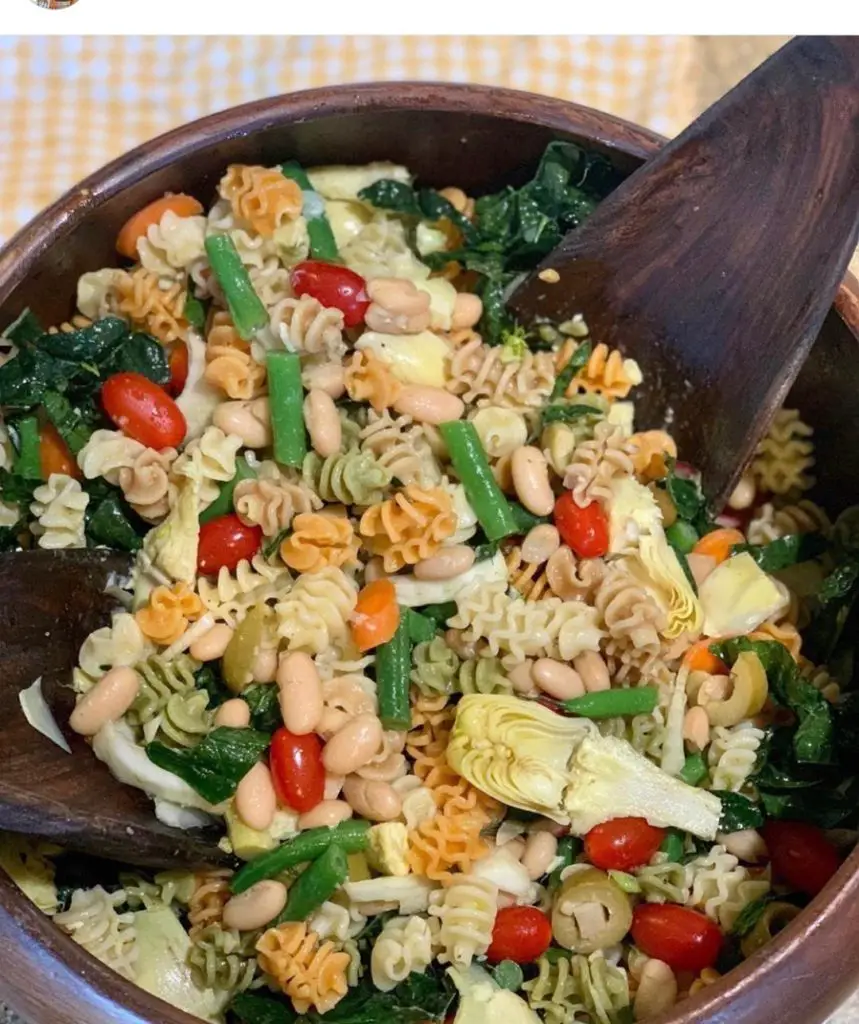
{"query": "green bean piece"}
(672, 845)
(315, 884)
(323, 245)
(694, 770)
(244, 304)
(420, 626)
(393, 665)
(483, 493)
(682, 535)
(223, 504)
(28, 462)
(286, 398)
(195, 313)
(640, 700)
(569, 847)
(350, 836)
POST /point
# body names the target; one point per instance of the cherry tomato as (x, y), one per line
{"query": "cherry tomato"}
(622, 844)
(585, 530)
(177, 360)
(224, 542)
(143, 410)
(801, 855)
(296, 769)
(334, 286)
(683, 938)
(519, 933)
(54, 454)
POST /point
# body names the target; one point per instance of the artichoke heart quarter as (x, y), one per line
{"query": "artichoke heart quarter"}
(516, 751)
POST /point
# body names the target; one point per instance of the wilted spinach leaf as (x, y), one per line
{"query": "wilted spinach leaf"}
(785, 551)
(25, 328)
(568, 413)
(420, 627)
(208, 678)
(264, 703)
(74, 425)
(110, 523)
(738, 812)
(578, 360)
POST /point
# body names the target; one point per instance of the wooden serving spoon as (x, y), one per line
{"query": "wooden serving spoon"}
(716, 262)
(52, 600)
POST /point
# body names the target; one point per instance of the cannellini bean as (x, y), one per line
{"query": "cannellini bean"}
(428, 404)
(265, 665)
(323, 423)
(333, 786)
(376, 801)
(448, 563)
(467, 310)
(747, 845)
(522, 677)
(255, 907)
(743, 495)
(374, 570)
(557, 679)
(393, 767)
(515, 848)
(301, 702)
(593, 671)
(326, 814)
(353, 746)
(531, 480)
(657, 990)
(106, 702)
(541, 543)
(212, 643)
(541, 849)
(256, 800)
(397, 306)
(696, 728)
(234, 714)
(327, 377)
(249, 420)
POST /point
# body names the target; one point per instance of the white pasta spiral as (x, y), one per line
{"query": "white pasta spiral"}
(305, 325)
(732, 754)
(93, 922)
(595, 463)
(721, 887)
(210, 460)
(783, 459)
(273, 499)
(404, 945)
(400, 447)
(169, 247)
(120, 643)
(466, 909)
(315, 613)
(59, 506)
(230, 595)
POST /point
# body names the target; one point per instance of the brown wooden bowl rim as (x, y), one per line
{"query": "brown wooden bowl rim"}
(828, 913)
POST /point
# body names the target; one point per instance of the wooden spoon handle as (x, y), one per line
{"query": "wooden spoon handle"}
(777, 159)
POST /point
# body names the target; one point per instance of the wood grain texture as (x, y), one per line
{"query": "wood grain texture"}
(716, 263)
(51, 602)
(424, 126)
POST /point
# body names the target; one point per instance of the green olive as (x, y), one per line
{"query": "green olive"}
(243, 648)
(770, 923)
(590, 911)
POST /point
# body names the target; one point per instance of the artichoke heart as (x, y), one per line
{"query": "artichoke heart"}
(516, 751)
(738, 596)
(412, 358)
(656, 566)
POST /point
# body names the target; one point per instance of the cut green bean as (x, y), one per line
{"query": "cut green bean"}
(694, 770)
(640, 700)
(28, 462)
(672, 845)
(569, 847)
(323, 245)
(682, 535)
(223, 504)
(472, 467)
(315, 884)
(350, 836)
(244, 304)
(393, 665)
(286, 401)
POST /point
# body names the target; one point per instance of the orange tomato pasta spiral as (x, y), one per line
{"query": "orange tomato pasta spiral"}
(606, 372)
(262, 196)
(445, 843)
(408, 527)
(309, 973)
(165, 618)
(230, 365)
(158, 311)
(318, 540)
(368, 379)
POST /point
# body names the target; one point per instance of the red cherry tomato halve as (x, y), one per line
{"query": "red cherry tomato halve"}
(585, 530)
(143, 410)
(297, 770)
(224, 542)
(683, 938)
(521, 934)
(800, 855)
(177, 360)
(622, 844)
(333, 286)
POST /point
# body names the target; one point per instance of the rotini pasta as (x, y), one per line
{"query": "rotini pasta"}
(408, 527)
(466, 910)
(93, 922)
(314, 613)
(404, 945)
(785, 456)
(59, 506)
(480, 376)
(229, 363)
(353, 478)
(310, 973)
(261, 196)
(594, 464)
(319, 540)
(156, 310)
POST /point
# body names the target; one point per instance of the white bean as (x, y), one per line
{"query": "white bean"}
(106, 702)
(326, 814)
(428, 404)
(265, 665)
(448, 563)
(301, 702)
(353, 746)
(212, 643)
(743, 495)
(327, 377)
(256, 800)
(557, 679)
(249, 420)
(657, 990)
(696, 728)
(255, 907)
(593, 670)
(541, 849)
(467, 310)
(234, 714)
(521, 676)
(541, 543)
(323, 423)
(375, 801)
(531, 480)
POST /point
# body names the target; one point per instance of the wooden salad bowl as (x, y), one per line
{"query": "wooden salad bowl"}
(478, 138)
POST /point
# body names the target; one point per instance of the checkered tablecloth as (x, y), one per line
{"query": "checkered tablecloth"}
(67, 105)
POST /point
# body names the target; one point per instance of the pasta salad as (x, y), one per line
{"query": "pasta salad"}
(496, 716)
